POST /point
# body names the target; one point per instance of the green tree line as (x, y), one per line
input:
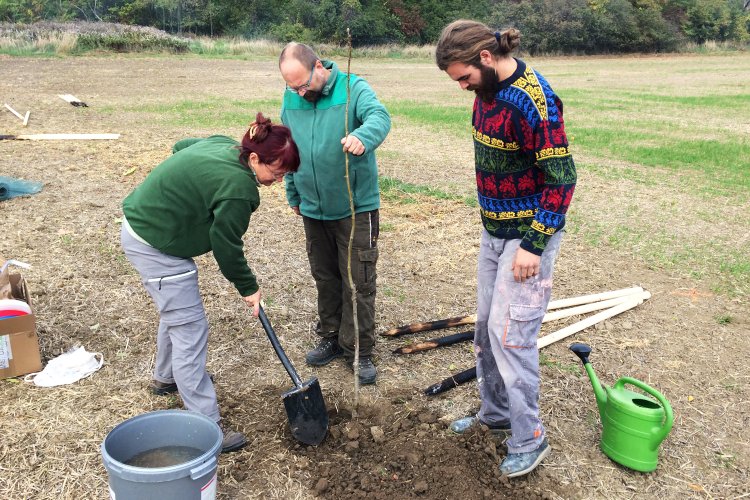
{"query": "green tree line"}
(547, 26)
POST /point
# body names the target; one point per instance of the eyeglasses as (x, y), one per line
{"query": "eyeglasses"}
(304, 86)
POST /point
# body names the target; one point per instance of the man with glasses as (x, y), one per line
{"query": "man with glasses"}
(314, 109)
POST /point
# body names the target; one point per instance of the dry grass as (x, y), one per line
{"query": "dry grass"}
(86, 293)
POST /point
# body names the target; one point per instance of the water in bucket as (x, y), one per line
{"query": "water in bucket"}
(166, 456)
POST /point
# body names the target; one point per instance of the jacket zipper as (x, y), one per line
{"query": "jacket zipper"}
(312, 161)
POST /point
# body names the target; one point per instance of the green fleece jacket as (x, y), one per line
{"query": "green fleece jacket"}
(198, 200)
(319, 188)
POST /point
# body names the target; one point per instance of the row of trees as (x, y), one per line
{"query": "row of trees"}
(588, 26)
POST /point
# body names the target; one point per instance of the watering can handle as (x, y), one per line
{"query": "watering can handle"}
(668, 415)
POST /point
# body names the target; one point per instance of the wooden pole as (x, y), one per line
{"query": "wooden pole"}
(355, 364)
(435, 343)
(430, 325)
(471, 373)
(587, 299)
(594, 306)
(590, 321)
(19, 115)
(601, 299)
(59, 137)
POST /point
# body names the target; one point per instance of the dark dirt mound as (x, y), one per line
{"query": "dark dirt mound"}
(398, 449)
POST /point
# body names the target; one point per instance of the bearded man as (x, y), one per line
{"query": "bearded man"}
(525, 181)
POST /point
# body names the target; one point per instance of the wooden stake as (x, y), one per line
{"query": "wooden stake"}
(435, 343)
(26, 118)
(72, 100)
(591, 320)
(19, 115)
(471, 373)
(59, 137)
(602, 300)
(355, 363)
(594, 306)
(587, 299)
(431, 325)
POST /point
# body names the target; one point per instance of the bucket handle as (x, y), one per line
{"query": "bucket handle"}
(668, 415)
(203, 469)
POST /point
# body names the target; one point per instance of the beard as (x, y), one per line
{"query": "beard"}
(488, 86)
(312, 95)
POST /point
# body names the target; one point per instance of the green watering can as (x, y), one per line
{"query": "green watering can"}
(633, 425)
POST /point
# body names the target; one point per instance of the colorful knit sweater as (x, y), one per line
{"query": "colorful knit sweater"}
(525, 173)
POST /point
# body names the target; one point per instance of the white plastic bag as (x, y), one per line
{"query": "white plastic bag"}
(67, 368)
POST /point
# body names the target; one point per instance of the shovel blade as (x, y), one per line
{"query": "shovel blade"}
(306, 409)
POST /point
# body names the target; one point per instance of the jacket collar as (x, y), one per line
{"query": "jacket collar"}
(330, 65)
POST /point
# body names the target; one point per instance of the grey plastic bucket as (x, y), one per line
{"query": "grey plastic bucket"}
(195, 479)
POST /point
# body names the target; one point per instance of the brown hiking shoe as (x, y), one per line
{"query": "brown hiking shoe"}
(233, 440)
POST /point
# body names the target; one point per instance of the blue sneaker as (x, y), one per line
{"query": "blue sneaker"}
(464, 424)
(518, 464)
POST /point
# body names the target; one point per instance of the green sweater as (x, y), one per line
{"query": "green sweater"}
(319, 188)
(199, 199)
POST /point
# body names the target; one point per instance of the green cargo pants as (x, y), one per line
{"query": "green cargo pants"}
(327, 250)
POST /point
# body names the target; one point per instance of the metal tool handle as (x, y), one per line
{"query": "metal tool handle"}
(277, 347)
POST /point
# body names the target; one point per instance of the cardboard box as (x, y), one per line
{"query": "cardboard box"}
(19, 343)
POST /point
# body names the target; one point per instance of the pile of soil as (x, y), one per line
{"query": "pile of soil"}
(399, 449)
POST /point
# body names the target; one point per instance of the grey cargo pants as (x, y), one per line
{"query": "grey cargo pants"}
(509, 317)
(182, 338)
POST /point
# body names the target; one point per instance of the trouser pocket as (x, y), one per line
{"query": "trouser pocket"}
(367, 278)
(177, 297)
(522, 326)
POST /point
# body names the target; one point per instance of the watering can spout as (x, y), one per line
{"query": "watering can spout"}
(600, 392)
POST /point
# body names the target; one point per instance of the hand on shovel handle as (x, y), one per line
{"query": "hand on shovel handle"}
(253, 302)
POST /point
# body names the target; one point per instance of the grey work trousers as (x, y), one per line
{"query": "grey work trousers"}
(182, 337)
(327, 251)
(509, 317)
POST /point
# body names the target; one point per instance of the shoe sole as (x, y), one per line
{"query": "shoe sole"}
(533, 466)
(494, 432)
(501, 432)
(323, 362)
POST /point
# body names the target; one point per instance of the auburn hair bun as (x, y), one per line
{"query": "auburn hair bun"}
(260, 128)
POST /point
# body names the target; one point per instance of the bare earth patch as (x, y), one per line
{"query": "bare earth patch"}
(86, 293)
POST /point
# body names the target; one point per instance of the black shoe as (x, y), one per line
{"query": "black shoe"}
(367, 371)
(164, 388)
(328, 349)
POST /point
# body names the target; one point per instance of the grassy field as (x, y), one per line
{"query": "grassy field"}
(678, 130)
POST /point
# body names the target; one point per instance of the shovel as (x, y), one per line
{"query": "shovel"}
(305, 408)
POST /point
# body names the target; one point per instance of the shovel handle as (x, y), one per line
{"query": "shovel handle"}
(277, 347)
